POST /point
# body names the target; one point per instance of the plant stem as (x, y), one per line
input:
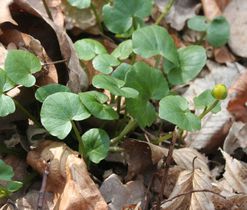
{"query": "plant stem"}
(27, 113)
(163, 138)
(97, 17)
(207, 110)
(78, 137)
(133, 58)
(116, 149)
(132, 124)
(165, 11)
(119, 104)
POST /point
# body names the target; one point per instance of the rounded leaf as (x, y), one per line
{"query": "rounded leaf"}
(80, 4)
(175, 109)
(7, 105)
(58, 110)
(123, 50)
(121, 71)
(198, 23)
(105, 62)
(6, 171)
(20, 65)
(96, 144)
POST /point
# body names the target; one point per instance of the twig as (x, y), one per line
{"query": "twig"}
(193, 191)
(55, 62)
(43, 186)
(167, 163)
(146, 198)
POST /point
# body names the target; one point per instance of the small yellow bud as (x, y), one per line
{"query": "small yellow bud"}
(219, 92)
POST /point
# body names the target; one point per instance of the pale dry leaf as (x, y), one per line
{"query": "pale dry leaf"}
(187, 182)
(68, 177)
(184, 158)
(235, 13)
(235, 173)
(181, 11)
(119, 195)
(5, 15)
(211, 9)
(3, 54)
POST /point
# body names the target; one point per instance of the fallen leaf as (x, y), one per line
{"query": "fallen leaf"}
(68, 176)
(222, 4)
(5, 15)
(223, 55)
(238, 27)
(211, 9)
(119, 195)
(188, 181)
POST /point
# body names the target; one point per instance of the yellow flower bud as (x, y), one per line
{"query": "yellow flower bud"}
(219, 92)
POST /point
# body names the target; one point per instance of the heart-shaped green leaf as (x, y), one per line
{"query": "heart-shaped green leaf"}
(94, 102)
(20, 65)
(198, 23)
(151, 84)
(87, 49)
(191, 61)
(43, 92)
(96, 144)
(123, 50)
(105, 62)
(218, 32)
(205, 99)
(175, 109)
(7, 105)
(5, 83)
(115, 86)
(58, 110)
(6, 171)
(80, 4)
(154, 40)
(120, 16)
(121, 71)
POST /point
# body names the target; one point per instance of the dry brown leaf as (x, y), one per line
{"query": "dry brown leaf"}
(223, 55)
(68, 177)
(5, 15)
(222, 4)
(188, 181)
(235, 13)
(119, 195)
(210, 8)
(235, 173)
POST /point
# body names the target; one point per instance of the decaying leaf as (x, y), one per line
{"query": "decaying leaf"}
(187, 182)
(211, 9)
(5, 15)
(235, 173)
(119, 195)
(68, 177)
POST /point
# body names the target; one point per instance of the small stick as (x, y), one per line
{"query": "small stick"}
(43, 186)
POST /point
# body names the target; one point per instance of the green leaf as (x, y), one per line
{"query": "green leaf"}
(43, 92)
(58, 110)
(94, 102)
(80, 4)
(218, 32)
(198, 23)
(205, 99)
(115, 86)
(104, 63)
(123, 50)
(191, 59)
(175, 109)
(87, 49)
(6, 171)
(121, 71)
(5, 83)
(120, 17)
(13, 186)
(151, 84)
(96, 144)
(20, 65)
(154, 40)
(7, 105)
(3, 192)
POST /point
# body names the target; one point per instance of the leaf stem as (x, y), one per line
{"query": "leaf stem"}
(132, 124)
(119, 104)
(97, 17)
(163, 138)
(27, 113)
(78, 137)
(116, 149)
(207, 110)
(165, 11)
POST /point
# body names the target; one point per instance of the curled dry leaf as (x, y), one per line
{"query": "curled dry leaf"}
(68, 177)
(186, 183)
(119, 195)
(5, 15)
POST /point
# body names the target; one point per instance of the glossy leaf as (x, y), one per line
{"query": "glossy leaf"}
(154, 40)
(20, 65)
(121, 71)
(80, 4)
(6, 171)
(123, 50)
(115, 86)
(198, 23)
(58, 110)
(105, 62)
(120, 16)
(205, 99)
(218, 32)
(94, 102)
(96, 144)
(87, 49)
(43, 92)
(151, 84)
(175, 109)
(191, 61)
